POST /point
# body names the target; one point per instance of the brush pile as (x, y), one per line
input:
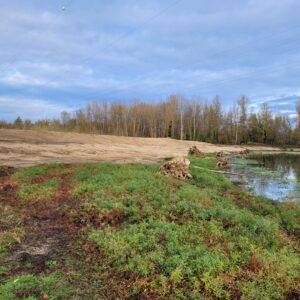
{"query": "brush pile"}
(222, 163)
(177, 167)
(220, 154)
(195, 151)
(245, 152)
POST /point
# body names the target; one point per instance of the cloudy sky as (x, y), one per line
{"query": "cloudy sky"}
(57, 55)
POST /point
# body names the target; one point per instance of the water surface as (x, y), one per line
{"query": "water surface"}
(274, 175)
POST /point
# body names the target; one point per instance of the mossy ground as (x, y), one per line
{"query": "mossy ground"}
(139, 235)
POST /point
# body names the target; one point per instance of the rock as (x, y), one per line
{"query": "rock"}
(195, 151)
(177, 167)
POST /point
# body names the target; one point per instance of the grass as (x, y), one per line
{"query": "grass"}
(11, 229)
(145, 236)
(34, 287)
(37, 182)
(38, 190)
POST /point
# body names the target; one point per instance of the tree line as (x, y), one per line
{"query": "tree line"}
(178, 118)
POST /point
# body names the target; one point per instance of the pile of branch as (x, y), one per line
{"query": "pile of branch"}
(220, 154)
(178, 168)
(245, 152)
(195, 151)
(222, 163)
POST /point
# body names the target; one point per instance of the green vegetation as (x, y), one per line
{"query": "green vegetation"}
(38, 190)
(31, 287)
(37, 182)
(142, 235)
(27, 175)
(10, 229)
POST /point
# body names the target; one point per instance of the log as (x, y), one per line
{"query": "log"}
(222, 172)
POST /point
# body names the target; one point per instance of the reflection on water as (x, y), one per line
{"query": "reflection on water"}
(276, 176)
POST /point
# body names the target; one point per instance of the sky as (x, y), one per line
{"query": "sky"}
(60, 54)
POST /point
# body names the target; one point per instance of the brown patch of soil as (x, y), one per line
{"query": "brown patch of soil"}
(91, 215)
(39, 179)
(48, 226)
(86, 214)
(6, 171)
(114, 217)
(254, 264)
(206, 203)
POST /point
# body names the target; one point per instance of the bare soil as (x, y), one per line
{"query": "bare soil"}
(22, 148)
(48, 225)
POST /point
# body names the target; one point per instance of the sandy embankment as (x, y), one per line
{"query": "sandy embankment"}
(21, 148)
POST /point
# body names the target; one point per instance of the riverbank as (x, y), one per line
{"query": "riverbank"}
(108, 231)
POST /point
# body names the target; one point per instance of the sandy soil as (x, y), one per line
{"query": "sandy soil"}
(21, 148)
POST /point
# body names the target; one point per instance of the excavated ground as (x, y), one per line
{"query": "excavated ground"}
(22, 148)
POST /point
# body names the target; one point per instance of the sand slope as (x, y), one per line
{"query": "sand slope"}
(20, 148)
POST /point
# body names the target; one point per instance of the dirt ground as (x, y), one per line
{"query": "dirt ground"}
(22, 148)
(46, 223)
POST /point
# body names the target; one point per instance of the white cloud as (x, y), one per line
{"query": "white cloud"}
(18, 79)
(106, 49)
(34, 109)
(293, 116)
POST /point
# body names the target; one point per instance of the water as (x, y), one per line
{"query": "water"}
(274, 175)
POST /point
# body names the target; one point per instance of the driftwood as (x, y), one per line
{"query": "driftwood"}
(222, 172)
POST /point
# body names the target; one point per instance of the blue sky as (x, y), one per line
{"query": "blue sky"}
(54, 59)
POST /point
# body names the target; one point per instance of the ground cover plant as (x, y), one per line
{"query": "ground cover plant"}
(127, 232)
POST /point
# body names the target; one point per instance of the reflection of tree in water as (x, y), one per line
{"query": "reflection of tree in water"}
(277, 176)
(285, 163)
(263, 184)
(297, 168)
